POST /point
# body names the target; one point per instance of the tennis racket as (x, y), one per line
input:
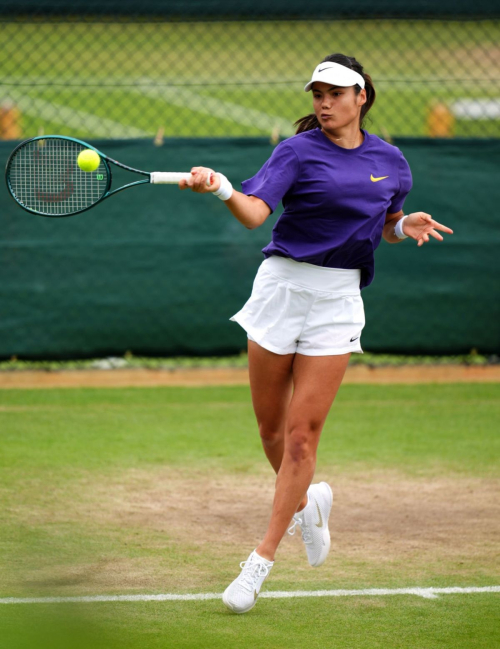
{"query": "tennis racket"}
(44, 178)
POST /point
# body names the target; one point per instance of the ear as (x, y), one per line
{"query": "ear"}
(361, 98)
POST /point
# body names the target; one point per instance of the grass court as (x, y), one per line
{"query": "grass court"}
(141, 491)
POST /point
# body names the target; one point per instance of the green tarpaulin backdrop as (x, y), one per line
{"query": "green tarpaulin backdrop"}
(157, 271)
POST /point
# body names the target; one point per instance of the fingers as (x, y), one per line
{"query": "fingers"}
(423, 238)
(202, 181)
(423, 217)
(440, 226)
(199, 178)
(423, 226)
(427, 218)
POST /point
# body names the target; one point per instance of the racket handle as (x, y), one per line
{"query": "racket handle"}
(172, 177)
(168, 177)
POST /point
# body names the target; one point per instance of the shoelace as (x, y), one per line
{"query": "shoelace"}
(306, 532)
(251, 573)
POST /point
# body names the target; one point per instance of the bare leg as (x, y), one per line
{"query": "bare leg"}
(316, 380)
(271, 382)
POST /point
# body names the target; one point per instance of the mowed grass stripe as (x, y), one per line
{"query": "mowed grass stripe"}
(425, 428)
(247, 50)
(228, 404)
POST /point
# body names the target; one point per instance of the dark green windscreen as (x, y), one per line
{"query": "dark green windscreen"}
(157, 271)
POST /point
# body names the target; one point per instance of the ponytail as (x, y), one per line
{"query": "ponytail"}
(306, 123)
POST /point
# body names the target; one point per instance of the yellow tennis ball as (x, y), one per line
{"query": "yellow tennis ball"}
(88, 160)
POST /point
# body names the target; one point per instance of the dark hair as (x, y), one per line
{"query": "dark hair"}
(309, 122)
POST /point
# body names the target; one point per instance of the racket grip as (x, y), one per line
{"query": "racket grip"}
(172, 177)
(168, 177)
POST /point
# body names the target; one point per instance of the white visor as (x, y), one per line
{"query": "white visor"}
(336, 75)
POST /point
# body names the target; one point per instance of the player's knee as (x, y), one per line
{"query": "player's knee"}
(270, 435)
(302, 442)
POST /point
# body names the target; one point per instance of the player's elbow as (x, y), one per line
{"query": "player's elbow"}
(250, 212)
(263, 216)
(256, 222)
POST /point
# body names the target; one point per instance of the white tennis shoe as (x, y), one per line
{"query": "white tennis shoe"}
(241, 595)
(313, 523)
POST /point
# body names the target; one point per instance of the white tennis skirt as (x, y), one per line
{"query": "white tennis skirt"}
(302, 308)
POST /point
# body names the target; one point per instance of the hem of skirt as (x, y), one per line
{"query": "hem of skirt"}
(259, 339)
(337, 351)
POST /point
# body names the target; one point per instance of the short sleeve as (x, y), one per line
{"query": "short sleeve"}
(405, 184)
(275, 178)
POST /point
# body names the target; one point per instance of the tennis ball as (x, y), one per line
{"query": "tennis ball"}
(88, 160)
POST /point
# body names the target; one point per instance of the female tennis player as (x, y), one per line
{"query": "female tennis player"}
(342, 189)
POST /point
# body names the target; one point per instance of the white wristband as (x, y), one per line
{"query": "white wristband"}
(398, 230)
(225, 190)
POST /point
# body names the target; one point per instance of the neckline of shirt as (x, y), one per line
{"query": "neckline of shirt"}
(362, 146)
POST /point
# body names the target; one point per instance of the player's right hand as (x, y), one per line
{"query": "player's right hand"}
(200, 179)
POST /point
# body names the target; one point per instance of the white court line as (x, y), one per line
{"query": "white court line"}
(427, 593)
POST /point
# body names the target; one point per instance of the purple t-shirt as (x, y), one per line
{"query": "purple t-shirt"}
(335, 200)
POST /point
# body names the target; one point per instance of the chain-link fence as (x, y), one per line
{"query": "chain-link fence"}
(199, 69)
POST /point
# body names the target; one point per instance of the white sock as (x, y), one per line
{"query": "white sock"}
(304, 508)
(265, 561)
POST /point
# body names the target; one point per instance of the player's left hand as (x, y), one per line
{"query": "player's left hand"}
(420, 226)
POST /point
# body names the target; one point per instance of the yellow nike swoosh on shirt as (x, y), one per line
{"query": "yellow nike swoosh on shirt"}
(375, 180)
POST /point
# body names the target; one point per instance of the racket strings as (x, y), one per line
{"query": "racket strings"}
(45, 177)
